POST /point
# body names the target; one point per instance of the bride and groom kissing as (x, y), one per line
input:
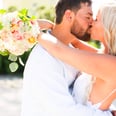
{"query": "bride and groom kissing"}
(47, 80)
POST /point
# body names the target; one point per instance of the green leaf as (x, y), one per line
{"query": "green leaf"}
(4, 53)
(1, 26)
(2, 11)
(33, 17)
(24, 12)
(13, 66)
(12, 57)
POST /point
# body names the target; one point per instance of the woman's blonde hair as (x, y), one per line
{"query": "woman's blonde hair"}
(108, 17)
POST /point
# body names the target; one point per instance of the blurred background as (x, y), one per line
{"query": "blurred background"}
(11, 82)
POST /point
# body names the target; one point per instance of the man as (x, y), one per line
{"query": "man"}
(46, 79)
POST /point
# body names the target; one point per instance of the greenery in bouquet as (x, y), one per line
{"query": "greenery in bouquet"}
(18, 33)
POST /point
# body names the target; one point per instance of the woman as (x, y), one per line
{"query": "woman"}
(100, 67)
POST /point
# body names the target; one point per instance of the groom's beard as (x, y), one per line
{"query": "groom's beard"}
(85, 37)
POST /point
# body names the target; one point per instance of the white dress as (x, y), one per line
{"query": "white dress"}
(82, 89)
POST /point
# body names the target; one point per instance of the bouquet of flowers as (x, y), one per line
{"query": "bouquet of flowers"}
(18, 33)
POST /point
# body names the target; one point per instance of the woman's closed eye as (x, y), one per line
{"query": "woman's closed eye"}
(88, 17)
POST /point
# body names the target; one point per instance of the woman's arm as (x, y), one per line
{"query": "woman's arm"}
(47, 24)
(99, 65)
(83, 45)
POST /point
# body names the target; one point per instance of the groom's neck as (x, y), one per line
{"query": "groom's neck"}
(62, 34)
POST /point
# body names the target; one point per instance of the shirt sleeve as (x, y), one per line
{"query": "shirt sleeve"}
(45, 91)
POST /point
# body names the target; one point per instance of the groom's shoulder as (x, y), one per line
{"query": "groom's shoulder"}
(40, 53)
(39, 57)
(39, 50)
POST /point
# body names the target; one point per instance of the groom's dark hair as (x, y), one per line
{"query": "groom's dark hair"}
(63, 5)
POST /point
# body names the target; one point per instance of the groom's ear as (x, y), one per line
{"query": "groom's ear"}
(69, 15)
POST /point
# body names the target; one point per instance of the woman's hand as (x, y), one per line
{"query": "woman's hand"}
(114, 113)
(45, 24)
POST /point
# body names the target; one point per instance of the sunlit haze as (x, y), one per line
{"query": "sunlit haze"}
(97, 3)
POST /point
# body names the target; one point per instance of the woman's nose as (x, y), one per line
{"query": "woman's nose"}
(93, 22)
